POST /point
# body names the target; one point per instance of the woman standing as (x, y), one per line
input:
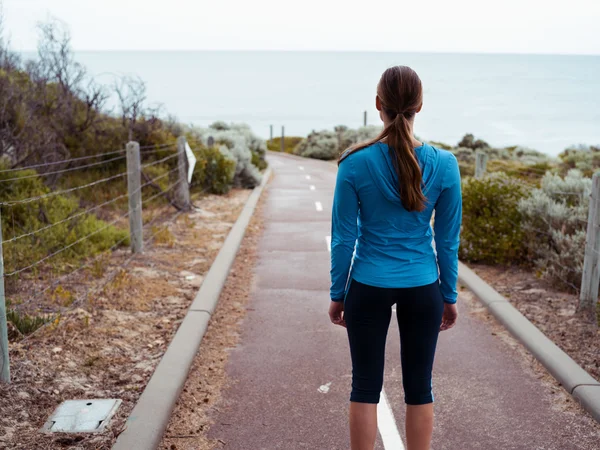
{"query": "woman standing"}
(386, 193)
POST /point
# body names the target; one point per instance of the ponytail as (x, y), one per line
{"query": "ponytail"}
(400, 85)
(399, 139)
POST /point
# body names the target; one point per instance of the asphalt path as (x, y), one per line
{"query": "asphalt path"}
(291, 373)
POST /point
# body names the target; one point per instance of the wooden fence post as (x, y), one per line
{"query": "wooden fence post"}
(271, 133)
(4, 361)
(134, 183)
(182, 162)
(365, 119)
(480, 164)
(282, 139)
(590, 279)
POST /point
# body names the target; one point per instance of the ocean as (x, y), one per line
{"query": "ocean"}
(542, 102)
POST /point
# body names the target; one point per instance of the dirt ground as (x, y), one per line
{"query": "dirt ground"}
(201, 393)
(110, 347)
(553, 312)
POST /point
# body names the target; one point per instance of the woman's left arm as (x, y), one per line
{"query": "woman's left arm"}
(344, 229)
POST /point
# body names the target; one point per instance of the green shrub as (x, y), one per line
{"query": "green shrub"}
(26, 324)
(215, 170)
(258, 162)
(491, 231)
(23, 218)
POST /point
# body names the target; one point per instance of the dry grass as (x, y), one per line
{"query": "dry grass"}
(109, 347)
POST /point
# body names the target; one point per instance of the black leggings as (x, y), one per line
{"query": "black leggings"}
(367, 311)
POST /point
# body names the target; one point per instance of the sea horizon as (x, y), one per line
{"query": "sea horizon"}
(547, 102)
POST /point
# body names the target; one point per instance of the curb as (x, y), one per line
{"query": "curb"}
(150, 417)
(580, 384)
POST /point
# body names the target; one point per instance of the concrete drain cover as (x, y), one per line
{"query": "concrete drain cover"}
(81, 416)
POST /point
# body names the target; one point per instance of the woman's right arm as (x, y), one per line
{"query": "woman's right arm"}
(448, 218)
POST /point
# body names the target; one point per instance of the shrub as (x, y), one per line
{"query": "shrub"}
(289, 144)
(24, 323)
(214, 171)
(259, 162)
(319, 145)
(491, 231)
(328, 145)
(239, 143)
(23, 218)
(582, 157)
(554, 223)
(468, 141)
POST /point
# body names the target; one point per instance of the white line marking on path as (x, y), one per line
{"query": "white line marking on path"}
(385, 417)
(312, 187)
(308, 177)
(324, 389)
(319, 206)
(300, 167)
(387, 425)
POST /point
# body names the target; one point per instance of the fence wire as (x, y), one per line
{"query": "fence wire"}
(64, 161)
(64, 191)
(71, 169)
(98, 288)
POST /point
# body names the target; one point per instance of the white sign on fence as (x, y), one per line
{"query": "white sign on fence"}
(191, 161)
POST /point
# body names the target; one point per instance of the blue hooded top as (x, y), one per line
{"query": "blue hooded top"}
(394, 247)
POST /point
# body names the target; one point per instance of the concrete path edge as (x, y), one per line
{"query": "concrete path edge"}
(580, 384)
(150, 417)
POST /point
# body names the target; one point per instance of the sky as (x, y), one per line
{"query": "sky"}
(480, 26)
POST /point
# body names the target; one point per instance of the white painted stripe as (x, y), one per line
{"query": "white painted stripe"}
(308, 177)
(324, 389)
(300, 167)
(328, 240)
(312, 187)
(319, 206)
(387, 425)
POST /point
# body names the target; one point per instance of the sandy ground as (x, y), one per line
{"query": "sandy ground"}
(202, 391)
(110, 347)
(553, 312)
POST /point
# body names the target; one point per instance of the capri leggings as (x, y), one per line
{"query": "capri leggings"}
(367, 312)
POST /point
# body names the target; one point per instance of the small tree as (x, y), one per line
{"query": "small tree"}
(131, 92)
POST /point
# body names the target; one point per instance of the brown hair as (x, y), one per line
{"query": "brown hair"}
(401, 95)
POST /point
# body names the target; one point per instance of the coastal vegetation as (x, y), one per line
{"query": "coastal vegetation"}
(529, 209)
(63, 171)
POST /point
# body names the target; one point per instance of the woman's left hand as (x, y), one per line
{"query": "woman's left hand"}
(336, 313)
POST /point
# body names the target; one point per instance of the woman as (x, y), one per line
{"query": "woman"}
(386, 192)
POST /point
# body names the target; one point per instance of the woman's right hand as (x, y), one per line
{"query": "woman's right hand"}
(449, 316)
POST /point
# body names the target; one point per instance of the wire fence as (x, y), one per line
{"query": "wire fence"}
(65, 161)
(31, 284)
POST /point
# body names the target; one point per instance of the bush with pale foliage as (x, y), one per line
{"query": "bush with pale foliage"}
(328, 145)
(237, 142)
(554, 220)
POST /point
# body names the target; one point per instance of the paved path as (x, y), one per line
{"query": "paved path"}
(293, 367)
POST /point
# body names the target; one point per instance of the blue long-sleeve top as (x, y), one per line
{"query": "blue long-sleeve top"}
(382, 243)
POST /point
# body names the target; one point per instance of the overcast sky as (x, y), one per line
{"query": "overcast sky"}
(513, 26)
